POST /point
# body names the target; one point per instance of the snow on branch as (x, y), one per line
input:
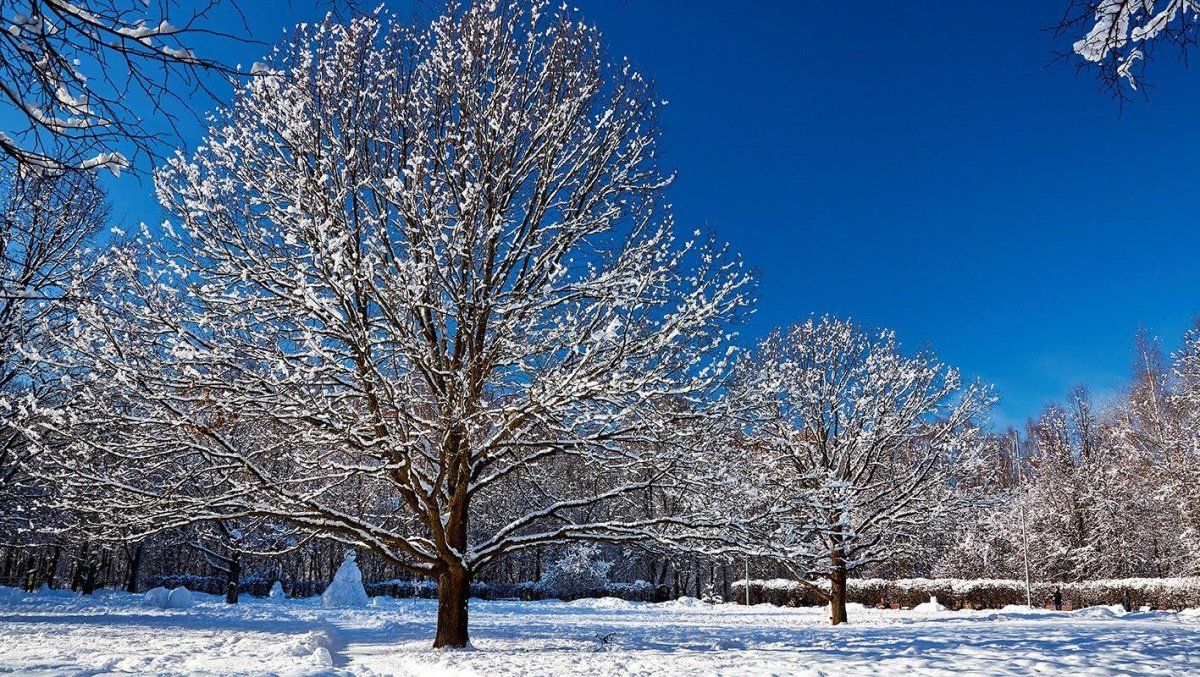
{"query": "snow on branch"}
(70, 72)
(1119, 33)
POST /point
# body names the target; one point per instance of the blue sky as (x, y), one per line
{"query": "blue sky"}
(927, 170)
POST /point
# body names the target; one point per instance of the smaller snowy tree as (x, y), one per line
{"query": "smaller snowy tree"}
(711, 594)
(578, 573)
(852, 446)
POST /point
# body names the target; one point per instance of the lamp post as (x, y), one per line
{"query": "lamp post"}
(1024, 529)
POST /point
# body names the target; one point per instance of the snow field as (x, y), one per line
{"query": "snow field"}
(59, 632)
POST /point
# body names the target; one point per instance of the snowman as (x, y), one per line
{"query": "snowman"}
(346, 590)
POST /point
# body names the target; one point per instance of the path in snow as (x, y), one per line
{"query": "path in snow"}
(59, 633)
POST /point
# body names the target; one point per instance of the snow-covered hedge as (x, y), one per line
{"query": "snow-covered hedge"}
(424, 589)
(638, 591)
(580, 572)
(254, 585)
(211, 585)
(1174, 593)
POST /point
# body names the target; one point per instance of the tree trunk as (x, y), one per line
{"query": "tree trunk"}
(454, 588)
(135, 567)
(91, 568)
(837, 586)
(9, 558)
(104, 573)
(233, 580)
(53, 568)
(29, 580)
(80, 564)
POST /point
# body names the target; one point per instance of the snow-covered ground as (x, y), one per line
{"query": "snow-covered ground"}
(61, 633)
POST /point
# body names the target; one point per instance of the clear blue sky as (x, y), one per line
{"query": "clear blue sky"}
(922, 167)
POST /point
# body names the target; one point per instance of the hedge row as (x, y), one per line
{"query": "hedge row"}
(254, 586)
(1172, 593)
(638, 591)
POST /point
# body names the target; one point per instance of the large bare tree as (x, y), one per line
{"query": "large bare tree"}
(436, 265)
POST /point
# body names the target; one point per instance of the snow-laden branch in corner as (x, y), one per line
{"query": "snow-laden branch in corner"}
(1121, 28)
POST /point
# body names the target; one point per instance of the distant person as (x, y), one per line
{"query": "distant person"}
(1057, 599)
(1128, 606)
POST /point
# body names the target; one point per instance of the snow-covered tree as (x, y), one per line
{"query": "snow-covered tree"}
(74, 73)
(852, 445)
(45, 224)
(411, 275)
(1057, 500)
(1109, 491)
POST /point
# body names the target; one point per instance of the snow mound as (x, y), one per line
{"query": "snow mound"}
(156, 597)
(322, 657)
(931, 606)
(180, 598)
(1100, 611)
(312, 648)
(684, 603)
(346, 591)
(10, 595)
(277, 591)
(601, 603)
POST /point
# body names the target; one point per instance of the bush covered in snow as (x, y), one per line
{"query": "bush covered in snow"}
(580, 572)
(1174, 593)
